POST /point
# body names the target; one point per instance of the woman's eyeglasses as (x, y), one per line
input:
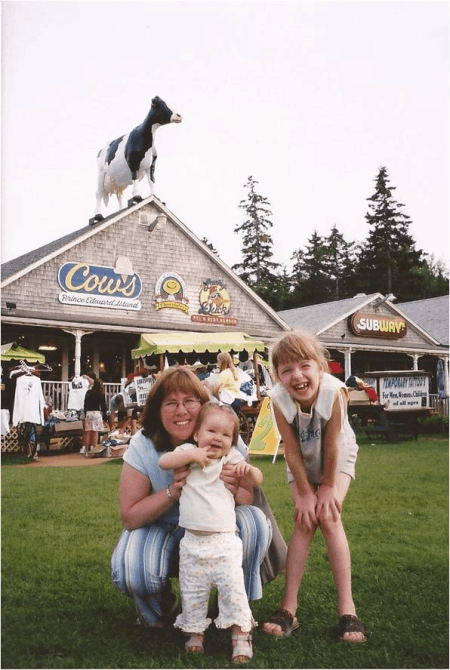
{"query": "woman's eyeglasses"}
(190, 404)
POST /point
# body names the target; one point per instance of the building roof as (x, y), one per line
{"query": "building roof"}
(431, 314)
(315, 318)
(19, 267)
(23, 262)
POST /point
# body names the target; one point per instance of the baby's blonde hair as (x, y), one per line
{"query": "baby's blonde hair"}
(295, 346)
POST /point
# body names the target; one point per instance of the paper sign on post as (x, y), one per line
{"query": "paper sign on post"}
(266, 438)
(143, 386)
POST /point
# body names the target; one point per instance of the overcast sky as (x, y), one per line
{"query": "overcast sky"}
(310, 98)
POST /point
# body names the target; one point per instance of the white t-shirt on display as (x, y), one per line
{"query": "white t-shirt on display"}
(77, 390)
(29, 401)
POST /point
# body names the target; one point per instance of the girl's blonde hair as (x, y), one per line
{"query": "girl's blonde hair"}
(226, 363)
(295, 346)
(212, 406)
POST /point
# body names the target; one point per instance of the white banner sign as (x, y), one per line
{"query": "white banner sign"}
(99, 301)
(143, 386)
(404, 392)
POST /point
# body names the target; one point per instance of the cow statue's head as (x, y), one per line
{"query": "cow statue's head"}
(162, 114)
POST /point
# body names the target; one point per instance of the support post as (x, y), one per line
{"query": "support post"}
(78, 334)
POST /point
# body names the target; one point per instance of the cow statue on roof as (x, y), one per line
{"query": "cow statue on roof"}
(124, 161)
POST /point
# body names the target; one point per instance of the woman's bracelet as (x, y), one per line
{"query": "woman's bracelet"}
(169, 495)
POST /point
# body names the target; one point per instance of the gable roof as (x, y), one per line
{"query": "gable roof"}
(316, 318)
(431, 314)
(18, 267)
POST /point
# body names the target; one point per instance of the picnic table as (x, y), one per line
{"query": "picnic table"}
(373, 419)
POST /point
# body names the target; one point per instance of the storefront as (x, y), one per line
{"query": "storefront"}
(85, 300)
(369, 333)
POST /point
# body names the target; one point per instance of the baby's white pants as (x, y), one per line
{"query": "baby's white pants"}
(207, 561)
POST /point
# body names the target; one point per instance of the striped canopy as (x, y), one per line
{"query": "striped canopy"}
(189, 342)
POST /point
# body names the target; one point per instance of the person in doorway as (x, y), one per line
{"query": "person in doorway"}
(210, 551)
(310, 408)
(229, 379)
(95, 414)
(146, 554)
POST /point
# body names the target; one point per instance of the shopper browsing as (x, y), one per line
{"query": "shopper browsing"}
(310, 408)
(211, 551)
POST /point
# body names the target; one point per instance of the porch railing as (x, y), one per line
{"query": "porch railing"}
(58, 393)
(439, 404)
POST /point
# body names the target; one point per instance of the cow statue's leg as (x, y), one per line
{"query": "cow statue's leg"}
(151, 174)
(135, 182)
(100, 195)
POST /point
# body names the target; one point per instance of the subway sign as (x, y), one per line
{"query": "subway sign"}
(377, 325)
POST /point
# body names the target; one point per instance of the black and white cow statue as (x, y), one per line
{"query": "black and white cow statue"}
(125, 161)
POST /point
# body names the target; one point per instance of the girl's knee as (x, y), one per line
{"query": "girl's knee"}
(329, 526)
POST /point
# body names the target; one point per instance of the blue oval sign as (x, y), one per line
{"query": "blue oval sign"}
(86, 279)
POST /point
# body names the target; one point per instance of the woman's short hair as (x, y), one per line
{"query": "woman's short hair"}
(171, 380)
(214, 406)
(295, 346)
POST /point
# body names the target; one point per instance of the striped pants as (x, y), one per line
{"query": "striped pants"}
(145, 558)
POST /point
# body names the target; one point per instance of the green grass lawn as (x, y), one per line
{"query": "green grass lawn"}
(60, 609)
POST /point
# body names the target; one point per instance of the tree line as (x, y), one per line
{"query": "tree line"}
(329, 267)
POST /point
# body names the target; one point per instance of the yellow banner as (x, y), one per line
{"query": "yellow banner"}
(266, 438)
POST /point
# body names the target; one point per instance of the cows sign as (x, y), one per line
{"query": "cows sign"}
(85, 284)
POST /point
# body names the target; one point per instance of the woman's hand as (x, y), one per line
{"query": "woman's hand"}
(243, 494)
(230, 478)
(242, 468)
(179, 480)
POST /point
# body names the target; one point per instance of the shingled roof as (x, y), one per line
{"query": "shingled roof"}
(431, 314)
(314, 318)
(20, 263)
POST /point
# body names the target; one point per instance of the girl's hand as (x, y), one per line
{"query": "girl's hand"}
(230, 478)
(328, 505)
(305, 511)
(179, 480)
(200, 456)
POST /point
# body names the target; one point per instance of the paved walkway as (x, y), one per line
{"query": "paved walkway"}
(66, 460)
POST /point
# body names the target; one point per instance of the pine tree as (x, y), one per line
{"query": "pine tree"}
(256, 269)
(388, 256)
(210, 245)
(341, 263)
(311, 273)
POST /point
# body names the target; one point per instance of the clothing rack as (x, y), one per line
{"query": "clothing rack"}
(24, 368)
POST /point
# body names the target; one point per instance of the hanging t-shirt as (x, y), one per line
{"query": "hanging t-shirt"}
(29, 401)
(77, 390)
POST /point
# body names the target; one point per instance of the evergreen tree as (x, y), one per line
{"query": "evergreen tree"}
(388, 256)
(257, 269)
(298, 278)
(433, 278)
(341, 260)
(280, 296)
(209, 245)
(312, 272)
